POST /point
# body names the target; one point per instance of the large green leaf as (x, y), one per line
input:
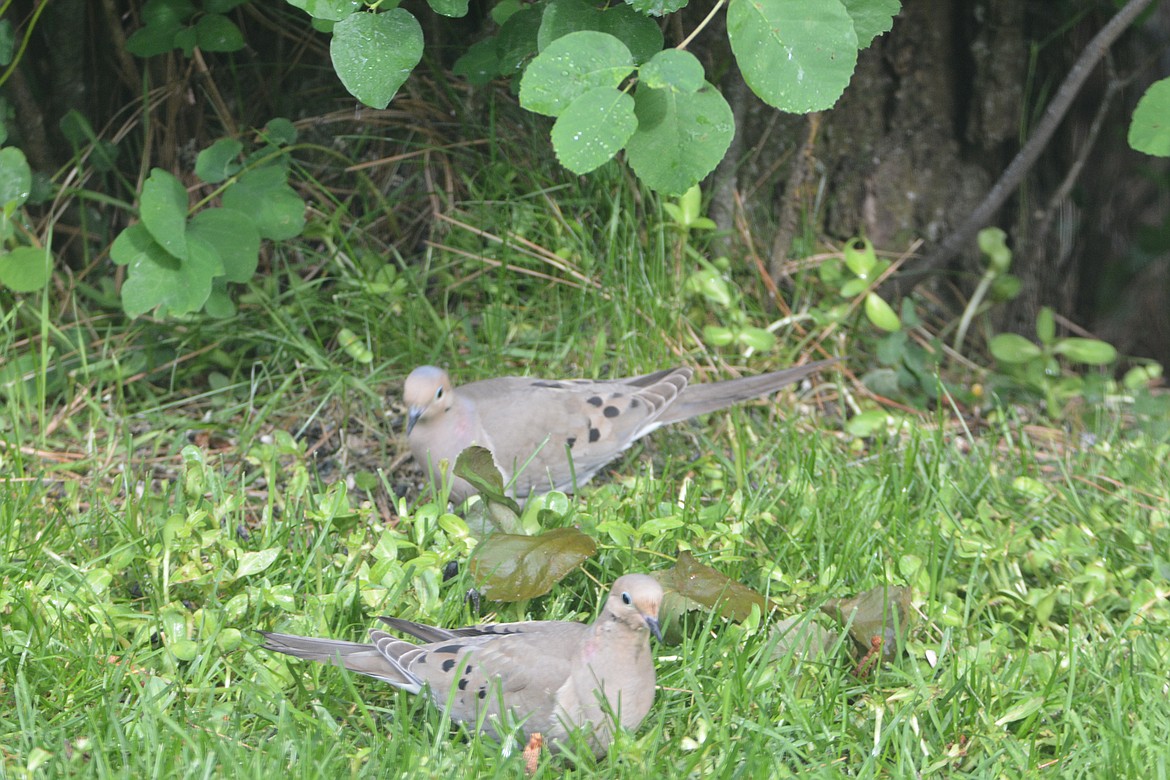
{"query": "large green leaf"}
(639, 33)
(1149, 130)
(796, 55)
(163, 209)
(373, 54)
(167, 12)
(162, 20)
(480, 63)
(256, 561)
(215, 32)
(871, 18)
(25, 268)
(681, 136)
(453, 8)
(657, 7)
(673, 69)
(881, 313)
(156, 278)
(235, 238)
(593, 129)
(15, 179)
(516, 42)
(495, 510)
(330, 10)
(263, 195)
(219, 161)
(7, 46)
(508, 567)
(571, 66)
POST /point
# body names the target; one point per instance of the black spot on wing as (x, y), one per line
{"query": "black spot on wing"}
(635, 403)
(595, 401)
(571, 441)
(549, 383)
(482, 692)
(463, 683)
(611, 411)
(449, 649)
(448, 664)
(594, 435)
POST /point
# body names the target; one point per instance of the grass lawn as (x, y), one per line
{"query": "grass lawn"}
(166, 489)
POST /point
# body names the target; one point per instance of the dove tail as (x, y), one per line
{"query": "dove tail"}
(709, 397)
(310, 649)
(356, 656)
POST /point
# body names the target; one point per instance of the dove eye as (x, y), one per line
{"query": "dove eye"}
(626, 598)
(438, 394)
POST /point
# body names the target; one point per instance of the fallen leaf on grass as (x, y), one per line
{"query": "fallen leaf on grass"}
(514, 567)
(882, 613)
(701, 586)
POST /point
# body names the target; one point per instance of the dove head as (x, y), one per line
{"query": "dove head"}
(428, 395)
(634, 602)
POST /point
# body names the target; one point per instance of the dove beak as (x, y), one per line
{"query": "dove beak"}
(412, 417)
(652, 624)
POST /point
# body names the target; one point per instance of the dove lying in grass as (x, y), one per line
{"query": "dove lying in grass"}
(556, 434)
(551, 677)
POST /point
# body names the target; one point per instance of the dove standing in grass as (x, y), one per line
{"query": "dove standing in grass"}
(552, 677)
(556, 434)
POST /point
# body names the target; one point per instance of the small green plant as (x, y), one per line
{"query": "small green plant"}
(863, 263)
(1038, 366)
(712, 283)
(996, 284)
(179, 265)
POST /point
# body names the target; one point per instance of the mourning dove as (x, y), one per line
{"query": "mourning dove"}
(549, 676)
(556, 434)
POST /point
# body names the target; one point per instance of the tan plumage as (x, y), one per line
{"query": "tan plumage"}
(550, 676)
(556, 434)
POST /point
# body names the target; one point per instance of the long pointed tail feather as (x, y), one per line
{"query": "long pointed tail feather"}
(702, 398)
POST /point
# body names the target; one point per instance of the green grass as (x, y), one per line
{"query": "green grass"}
(169, 488)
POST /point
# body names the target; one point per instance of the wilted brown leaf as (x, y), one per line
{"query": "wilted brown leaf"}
(882, 612)
(512, 567)
(709, 588)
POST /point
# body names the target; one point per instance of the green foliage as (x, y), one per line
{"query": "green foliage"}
(1038, 368)
(179, 24)
(864, 270)
(862, 261)
(578, 62)
(995, 286)
(795, 58)
(374, 53)
(180, 265)
(23, 268)
(1149, 130)
(712, 284)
